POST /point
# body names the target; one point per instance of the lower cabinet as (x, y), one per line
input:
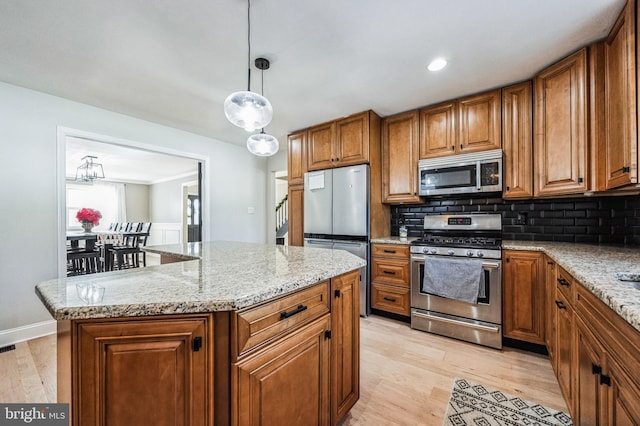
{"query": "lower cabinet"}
(137, 372)
(523, 296)
(564, 346)
(287, 382)
(390, 280)
(550, 309)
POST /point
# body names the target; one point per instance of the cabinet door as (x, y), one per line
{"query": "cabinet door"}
(296, 215)
(438, 130)
(560, 142)
(352, 140)
(143, 372)
(297, 157)
(588, 402)
(345, 344)
(622, 397)
(564, 348)
(479, 122)
(550, 311)
(517, 127)
(620, 101)
(320, 146)
(400, 158)
(523, 296)
(287, 382)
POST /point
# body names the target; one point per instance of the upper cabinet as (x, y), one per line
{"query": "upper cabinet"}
(296, 157)
(517, 128)
(469, 124)
(560, 126)
(620, 129)
(400, 158)
(339, 143)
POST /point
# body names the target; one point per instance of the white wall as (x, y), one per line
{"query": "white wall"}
(165, 200)
(137, 202)
(29, 221)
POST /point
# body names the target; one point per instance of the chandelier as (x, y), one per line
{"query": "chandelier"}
(248, 109)
(89, 170)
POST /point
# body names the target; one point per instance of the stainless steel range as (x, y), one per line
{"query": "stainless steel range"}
(456, 278)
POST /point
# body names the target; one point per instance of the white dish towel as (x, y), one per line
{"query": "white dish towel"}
(453, 278)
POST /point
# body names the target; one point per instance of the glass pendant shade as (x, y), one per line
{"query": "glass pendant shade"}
(262, 144)
(248, 110)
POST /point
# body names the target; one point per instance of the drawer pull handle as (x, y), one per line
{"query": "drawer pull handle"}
(390, 299)
(389, 251)
(596, 369)
(390, 272)
(560, 305)
(563, 282)
(285, 314)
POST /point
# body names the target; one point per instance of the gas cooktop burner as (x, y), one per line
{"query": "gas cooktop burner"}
(439, 240)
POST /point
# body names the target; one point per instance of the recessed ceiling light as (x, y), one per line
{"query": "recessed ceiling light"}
(437, 64)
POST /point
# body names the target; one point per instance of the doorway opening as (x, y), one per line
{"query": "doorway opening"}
(150, 182)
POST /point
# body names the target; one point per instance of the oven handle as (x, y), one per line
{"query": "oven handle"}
(487, 265)
(452, 321)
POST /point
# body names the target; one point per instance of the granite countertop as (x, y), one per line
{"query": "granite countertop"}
(594, 267)
(393, 240)
(224, 276)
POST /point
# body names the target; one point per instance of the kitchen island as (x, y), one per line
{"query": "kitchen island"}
(244, 333)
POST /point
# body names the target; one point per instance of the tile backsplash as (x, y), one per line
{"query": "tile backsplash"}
(582, 220)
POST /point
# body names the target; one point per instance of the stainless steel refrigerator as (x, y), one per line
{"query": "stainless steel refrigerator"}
(336, 215)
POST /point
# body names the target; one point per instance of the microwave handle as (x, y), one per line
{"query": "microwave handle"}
(479, 175)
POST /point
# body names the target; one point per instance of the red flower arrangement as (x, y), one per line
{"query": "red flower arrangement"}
(89, 215)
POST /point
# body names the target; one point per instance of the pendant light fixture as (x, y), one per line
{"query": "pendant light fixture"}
(89, 170)
(262, 144)
(247, 109)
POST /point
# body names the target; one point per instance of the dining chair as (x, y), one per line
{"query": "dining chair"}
(128, 254)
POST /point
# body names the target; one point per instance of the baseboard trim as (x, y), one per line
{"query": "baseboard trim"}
(27, 332)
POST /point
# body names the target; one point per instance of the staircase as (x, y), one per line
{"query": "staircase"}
(282, 220)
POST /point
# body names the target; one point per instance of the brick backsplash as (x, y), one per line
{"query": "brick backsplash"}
(582, 220)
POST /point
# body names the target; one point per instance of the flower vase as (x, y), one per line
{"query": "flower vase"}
(87, 225)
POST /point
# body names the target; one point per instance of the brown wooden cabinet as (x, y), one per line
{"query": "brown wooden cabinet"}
(390, 288)
(287, 382)
(517, 143)
(296, 215)
(400, 158)
(564, 346)
(297, 157)
(339, 143)
(465, 125)
(560, 128)
(620, 145)
(607, 382)
(345, 344)
(523, 296)
(550, 309)
(127, 366)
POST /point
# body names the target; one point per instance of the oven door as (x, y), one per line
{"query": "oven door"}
(487, 309)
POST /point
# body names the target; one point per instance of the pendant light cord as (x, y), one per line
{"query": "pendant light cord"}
(249, 45)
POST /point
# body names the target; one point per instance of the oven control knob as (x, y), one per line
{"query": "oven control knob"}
(451, 252)
(480, 254)
(425, 250)
(433, 251)
(470, 253)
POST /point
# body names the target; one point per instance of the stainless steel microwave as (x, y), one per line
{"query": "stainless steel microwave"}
(460, 174)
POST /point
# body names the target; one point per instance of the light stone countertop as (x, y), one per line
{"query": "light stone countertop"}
(594, 267)
(393, 240)
(226, 276)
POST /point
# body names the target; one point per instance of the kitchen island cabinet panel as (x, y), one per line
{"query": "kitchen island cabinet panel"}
(287, 382)
(560, 127)
(400, 158)
(126, 367)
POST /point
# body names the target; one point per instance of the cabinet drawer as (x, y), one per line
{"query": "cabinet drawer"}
(391, 299)
(565, 284)
(274, 318)
(388, 271)
(400, 251)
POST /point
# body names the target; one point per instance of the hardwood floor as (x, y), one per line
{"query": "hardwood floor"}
(406, 375)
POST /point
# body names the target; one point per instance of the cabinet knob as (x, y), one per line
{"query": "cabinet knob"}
(453, 148)
(460, 146)
(560, 305)
(626, 169)
(580, 180)
(508, 188)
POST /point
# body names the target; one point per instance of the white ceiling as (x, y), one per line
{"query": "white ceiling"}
(124, 164)
(174, 62)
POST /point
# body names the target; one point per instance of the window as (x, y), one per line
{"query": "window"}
(106, 197)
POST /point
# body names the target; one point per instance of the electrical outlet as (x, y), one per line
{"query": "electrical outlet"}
(521, 219)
